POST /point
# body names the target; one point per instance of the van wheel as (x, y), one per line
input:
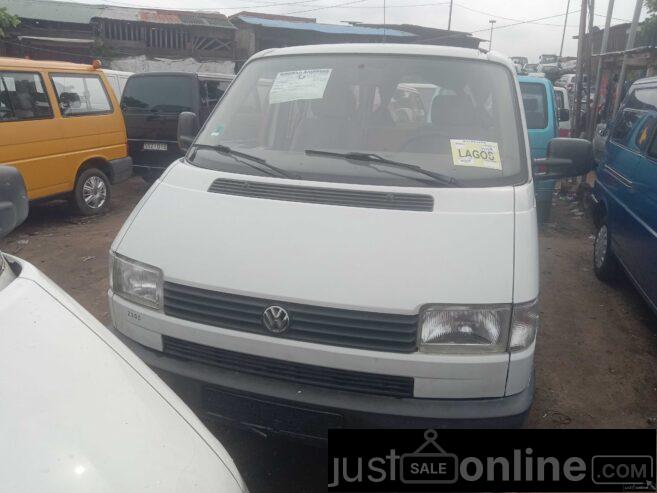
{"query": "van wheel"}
(92, 192)
(605, 263)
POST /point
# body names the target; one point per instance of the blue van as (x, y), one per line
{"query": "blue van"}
(625, 194)
(542, 125)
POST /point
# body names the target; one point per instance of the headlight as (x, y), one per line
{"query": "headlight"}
(524, 325)
(135, 281)
(473, 329)
(465, 328)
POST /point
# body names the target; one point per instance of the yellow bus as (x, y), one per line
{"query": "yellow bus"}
(62, 127)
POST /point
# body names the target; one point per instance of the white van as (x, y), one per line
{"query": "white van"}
(117, 80)
(314, 263)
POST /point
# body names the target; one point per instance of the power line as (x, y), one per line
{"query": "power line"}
(351, 2)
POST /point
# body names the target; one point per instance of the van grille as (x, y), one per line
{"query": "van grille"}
(317, 376)
(327, 196)
(332, 326)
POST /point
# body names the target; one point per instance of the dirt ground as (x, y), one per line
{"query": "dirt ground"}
(597, 347)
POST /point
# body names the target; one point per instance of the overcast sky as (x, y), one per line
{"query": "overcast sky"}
(529, 39)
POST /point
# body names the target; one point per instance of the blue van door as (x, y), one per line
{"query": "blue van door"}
(644, 251)
(617, 177)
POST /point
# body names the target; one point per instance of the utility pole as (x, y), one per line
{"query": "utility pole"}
(490, 42)
(384, 21)
(563, 34)
(598, 75)
(589, 67)
(578, 77)
(449, 21)
(626, 55)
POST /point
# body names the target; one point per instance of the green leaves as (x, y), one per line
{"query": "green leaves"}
(7, 21)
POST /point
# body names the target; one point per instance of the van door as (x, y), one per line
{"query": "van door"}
(30, 135)
(89, 124)
(644, 208)
(617, 176)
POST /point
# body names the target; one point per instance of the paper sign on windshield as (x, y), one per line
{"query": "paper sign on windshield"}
(299, 84)
(476, 153)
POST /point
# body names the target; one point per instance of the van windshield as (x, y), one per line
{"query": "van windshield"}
(166, 93)
(450, 116)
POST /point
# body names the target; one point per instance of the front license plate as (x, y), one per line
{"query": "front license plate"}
(154, 146)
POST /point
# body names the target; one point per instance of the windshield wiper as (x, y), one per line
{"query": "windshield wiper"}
(376, 159)
(243, 155)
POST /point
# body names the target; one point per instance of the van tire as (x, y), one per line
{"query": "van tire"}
(605, 263)
(92, 191)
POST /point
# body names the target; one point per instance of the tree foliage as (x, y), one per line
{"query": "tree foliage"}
(7, 21)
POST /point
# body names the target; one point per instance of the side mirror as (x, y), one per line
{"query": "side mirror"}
(564, 114)
(566, 157)
(187, 129)
(13, 200)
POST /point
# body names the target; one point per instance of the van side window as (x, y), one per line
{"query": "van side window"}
(23, 97)
(534, 99)
(81, 94)
(644, 132)
(625, 123)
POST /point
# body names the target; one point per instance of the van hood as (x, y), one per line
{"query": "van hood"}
(361, 258)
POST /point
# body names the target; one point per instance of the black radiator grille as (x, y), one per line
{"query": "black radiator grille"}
(316, 376)
(331, 326)
(327, 196)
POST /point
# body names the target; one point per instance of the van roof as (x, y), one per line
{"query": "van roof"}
(43, 64)
(388, 49)
(645, 80)
(202, 75)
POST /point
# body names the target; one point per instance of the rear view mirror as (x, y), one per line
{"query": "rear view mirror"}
(566, 157)
(564, 114)
(187, 129)
(13, 200)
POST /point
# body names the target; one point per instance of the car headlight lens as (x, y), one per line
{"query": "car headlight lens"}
(465, 328)
(136, 282)
(524, 325)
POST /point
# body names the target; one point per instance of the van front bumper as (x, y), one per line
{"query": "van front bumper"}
(306, 412)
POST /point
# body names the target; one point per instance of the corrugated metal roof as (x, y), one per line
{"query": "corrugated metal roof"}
(81, 13)
(322, 28)
(52, 11)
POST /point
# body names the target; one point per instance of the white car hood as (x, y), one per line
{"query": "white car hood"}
(80, 412)
(346, 257)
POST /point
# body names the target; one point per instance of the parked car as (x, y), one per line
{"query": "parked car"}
(530, 68)
(519, 62)
(61, 127)
(117, 81)
(543, 119)
(329, 266)
(566, 81)
(563, 103)
(151, 104)
(80, 412)
(625, 193)
(549, 65)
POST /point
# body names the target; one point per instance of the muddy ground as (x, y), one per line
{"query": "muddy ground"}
(597, 349)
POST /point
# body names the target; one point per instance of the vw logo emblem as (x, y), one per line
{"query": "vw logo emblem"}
(275, 319)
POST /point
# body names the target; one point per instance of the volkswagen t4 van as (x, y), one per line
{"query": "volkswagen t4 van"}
(61, 127)
(313, 262)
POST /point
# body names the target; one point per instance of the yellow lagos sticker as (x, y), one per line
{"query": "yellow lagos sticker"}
(476, 153)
